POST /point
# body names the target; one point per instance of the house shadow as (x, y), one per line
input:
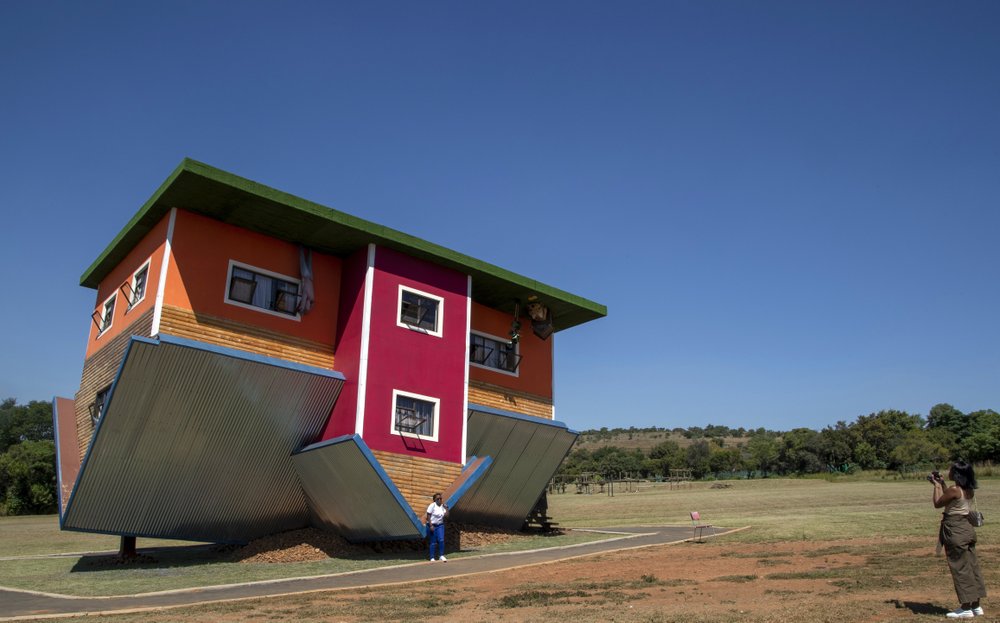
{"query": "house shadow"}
(156, 558)
(917, 607)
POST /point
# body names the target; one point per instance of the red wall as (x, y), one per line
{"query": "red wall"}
(347, 357)
(407, 360)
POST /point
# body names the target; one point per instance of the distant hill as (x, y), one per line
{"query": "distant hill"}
(646, 438)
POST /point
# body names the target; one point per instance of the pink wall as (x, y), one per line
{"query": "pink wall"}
(347, 357)
(411, 361)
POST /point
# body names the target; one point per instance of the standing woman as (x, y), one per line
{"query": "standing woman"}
(959, 537)
(436, 513)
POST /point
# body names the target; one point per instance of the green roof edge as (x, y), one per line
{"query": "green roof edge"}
(97, 270)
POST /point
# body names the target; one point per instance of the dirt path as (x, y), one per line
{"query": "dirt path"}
(872, 580)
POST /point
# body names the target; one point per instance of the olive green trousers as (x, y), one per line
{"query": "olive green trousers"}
(959, 539)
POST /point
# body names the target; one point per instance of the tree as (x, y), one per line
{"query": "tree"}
(918, 448)
(31, 422)
(28, 478)
(882, 432)
(763, 453)
(697, 458)
(983, 440)
(945, 416)
(799, 451)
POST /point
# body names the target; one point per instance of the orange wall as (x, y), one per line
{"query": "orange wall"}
(535, 372)
(199, 267)
(149, 248)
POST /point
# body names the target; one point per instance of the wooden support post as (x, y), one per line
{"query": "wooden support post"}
(127, 548)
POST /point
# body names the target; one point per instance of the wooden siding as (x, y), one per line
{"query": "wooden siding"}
(509, 400)
(418, 478)
(212, 330)
(99, 371)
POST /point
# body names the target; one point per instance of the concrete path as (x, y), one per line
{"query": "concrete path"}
(24, 605)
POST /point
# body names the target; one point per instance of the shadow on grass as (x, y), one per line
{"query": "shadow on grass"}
(188, 556)
(158, 558)
(919, 607)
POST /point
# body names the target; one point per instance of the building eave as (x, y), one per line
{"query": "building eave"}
(221, 195)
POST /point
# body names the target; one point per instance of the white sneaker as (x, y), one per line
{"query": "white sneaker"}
(443, 559)
(960, 614)
(432, 560)
(978, 611)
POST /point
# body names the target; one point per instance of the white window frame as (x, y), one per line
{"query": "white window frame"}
(145, 286)
(396, 393)
(517, 351)
(439, 325)
(114, 303)
(267, 273)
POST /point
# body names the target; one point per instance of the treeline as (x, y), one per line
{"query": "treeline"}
(887, 440)
(27, 459)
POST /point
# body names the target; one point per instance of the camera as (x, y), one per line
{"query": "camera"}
(935, 476)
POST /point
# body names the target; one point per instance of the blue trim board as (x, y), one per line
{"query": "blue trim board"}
(471, 480)
(391, 486)
(376, 467)
(59, 476)
(97, 427)
(518, 416)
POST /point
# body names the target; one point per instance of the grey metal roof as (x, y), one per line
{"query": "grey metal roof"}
(351, 494)
(196, 442)
(526, 452)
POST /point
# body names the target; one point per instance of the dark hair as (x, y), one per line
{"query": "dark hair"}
(963, 475)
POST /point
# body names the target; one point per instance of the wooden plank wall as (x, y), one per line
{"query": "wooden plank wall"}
(99, 371)
(418, 479)
(509, 400)
(213, 330)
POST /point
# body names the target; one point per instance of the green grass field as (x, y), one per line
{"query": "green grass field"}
(777, 511)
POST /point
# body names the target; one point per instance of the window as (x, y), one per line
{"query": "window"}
(136, 290)
(97, 408)
(104, 316)
(493, 353)
(420, 311)
(415, 415)
(262, 290)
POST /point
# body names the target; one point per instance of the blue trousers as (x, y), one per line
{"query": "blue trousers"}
(436, 534)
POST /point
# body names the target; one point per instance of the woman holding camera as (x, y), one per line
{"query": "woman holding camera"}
(959, 537)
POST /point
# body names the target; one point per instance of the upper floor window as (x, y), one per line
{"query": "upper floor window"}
(493, 353)
(104, 316)
(262, 290)
(415, 415)
(135, 290)
(420, 311)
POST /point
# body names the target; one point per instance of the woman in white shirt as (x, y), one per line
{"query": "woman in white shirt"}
(436, 513)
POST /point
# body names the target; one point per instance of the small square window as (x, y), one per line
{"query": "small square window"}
(415, 415)
(136, 290)
(104, 317)
(420, 311)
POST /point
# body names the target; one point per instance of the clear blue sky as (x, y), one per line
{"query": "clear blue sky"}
(789, 208)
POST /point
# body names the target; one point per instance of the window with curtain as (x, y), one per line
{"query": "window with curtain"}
(260, 289)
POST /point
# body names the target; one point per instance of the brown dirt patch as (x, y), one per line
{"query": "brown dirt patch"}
(310, 544)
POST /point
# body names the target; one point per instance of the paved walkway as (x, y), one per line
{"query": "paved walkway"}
(21, 605)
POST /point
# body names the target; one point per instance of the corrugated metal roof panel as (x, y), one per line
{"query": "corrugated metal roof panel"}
(195, 443)
(526, 452)
(351, 494)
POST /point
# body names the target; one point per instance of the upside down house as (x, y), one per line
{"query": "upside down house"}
(259, 363)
